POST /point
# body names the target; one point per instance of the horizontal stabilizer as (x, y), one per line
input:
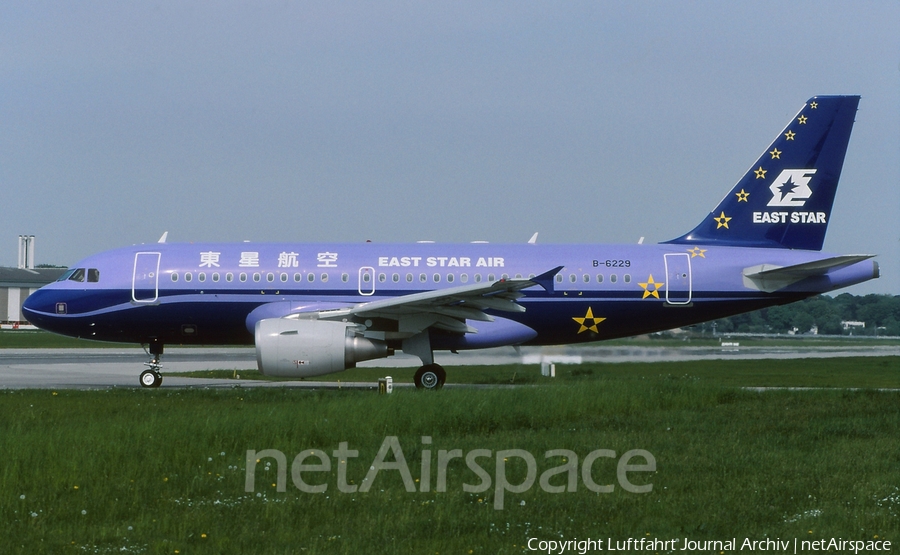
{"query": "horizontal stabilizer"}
(769, 277)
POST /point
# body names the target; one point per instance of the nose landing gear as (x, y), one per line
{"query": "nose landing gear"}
(151, 376)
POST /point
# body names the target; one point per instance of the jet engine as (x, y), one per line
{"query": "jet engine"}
(300, 348)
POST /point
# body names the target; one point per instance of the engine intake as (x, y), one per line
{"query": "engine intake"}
(301, 348)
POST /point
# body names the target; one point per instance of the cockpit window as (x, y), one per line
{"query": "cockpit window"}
(77, 275)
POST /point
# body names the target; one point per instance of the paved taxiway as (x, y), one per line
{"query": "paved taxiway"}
(120, 367)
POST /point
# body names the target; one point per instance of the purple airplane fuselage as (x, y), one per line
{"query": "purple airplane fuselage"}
(168, 293)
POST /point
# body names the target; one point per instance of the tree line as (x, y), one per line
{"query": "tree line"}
(827, 315)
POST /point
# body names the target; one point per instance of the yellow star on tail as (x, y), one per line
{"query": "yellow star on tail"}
(776, 154)
(790, 135)
(588, 322)
(743, 196)
(655, 285)
(760, 173)
(722, 221)
(802, 120)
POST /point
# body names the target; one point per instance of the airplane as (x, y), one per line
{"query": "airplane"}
(315, 309)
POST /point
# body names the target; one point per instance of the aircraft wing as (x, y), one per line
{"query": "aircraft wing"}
(446, 309)
(769, 278)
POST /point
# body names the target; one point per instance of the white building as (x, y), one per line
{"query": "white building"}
(17, 283)
(15, 286)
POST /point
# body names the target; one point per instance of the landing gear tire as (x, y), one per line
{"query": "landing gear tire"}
(149, 378)
(430, 376)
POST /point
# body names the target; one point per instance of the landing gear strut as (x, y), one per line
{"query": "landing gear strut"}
(151, 376)
(430, 376)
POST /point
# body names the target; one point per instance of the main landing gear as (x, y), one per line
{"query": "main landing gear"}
(151, 376)
(430, 376)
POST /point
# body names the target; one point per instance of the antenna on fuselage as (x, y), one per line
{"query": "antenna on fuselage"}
(163, 238)
(533, 239)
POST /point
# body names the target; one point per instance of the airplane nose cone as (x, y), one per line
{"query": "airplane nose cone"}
(39, 308)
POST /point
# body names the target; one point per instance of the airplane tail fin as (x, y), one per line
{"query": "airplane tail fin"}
(785, 199)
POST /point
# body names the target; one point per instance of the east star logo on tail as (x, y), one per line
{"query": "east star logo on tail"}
(791, 188)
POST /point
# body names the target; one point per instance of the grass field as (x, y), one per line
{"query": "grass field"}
(164, 471)
(853, 372)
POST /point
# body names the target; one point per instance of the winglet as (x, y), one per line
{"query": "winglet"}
(546, 279)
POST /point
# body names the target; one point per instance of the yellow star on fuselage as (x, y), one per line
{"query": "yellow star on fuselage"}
(588, 322)
(760, 173)
(776, 154)
(722, 221)
(789, 135)
(743, 196)
(647, 287)
(697, 251)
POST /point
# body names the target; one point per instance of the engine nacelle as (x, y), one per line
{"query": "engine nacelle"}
(301, 348)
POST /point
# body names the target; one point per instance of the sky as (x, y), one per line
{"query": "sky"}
(588, 122)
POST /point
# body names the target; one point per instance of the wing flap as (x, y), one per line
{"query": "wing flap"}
(447, 309)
